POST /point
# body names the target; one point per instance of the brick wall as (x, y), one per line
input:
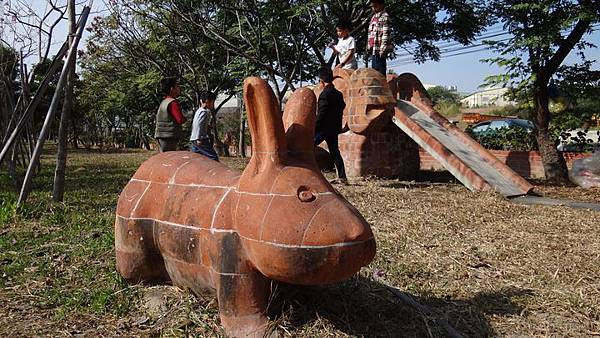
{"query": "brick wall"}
(386, 153)
(526, 163)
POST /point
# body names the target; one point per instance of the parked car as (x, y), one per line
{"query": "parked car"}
(490, 126)
(504, 134)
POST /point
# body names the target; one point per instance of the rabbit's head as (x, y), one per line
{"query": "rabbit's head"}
(294, 226)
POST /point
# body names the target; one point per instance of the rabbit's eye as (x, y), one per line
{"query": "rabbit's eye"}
(305, 195)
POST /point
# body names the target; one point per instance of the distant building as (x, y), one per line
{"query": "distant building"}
(487, 97)
(229, 108)
(231, 103)
(428, 86)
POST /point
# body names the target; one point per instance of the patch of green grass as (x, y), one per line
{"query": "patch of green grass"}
(60, 256)
(7, 209)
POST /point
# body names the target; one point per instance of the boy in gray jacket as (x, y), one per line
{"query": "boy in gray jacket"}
(201, 139)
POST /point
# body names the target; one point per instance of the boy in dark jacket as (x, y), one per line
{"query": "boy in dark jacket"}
(330, 108)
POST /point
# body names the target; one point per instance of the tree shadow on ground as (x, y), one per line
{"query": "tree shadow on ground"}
(424, 179)
(367, 308)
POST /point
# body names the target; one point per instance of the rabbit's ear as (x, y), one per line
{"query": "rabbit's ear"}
(268, 140)
(299, 120)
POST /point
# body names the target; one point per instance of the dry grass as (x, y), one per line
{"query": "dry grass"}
(486, 266)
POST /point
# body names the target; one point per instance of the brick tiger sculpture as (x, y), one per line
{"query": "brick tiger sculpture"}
(201, 225)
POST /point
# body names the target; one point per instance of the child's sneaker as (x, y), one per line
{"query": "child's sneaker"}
(343, 181)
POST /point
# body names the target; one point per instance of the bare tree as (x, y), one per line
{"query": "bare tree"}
(61, 159)
(25, 189)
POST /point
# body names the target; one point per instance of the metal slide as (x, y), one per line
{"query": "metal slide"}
(466, 159)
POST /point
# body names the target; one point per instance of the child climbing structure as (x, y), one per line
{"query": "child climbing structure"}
(386, 119)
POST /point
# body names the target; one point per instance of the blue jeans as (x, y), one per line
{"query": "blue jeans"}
(206, 150)
(332, 143)
(379, 63)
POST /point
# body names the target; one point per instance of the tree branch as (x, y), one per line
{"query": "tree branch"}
(565, 48)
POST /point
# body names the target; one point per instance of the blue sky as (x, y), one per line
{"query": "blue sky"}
(467, 72)
(464, 71)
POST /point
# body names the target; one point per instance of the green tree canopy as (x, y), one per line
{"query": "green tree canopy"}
(9, 69)
(441, 94)
(286, 39)
(214, 45)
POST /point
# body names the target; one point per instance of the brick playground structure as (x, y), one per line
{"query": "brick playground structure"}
(371, 144)
(387, 121)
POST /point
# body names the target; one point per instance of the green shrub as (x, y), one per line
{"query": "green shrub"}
(447, 108)
(510, 110)
(578, 141)
(512, 138)
(567, 120)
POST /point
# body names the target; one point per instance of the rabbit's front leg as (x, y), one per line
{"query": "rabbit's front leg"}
(242, 291)
(242, 304)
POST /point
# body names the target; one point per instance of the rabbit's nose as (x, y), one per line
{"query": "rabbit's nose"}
(336, 223)
(356, 231)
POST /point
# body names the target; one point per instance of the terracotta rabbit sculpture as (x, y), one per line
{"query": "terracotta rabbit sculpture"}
(193, 221)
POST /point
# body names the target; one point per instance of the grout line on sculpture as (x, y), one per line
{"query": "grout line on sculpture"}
(262, 222)
(172, 179)
(191, 185)
(280, 171)
(312, 219)
(141, 197)
(324, 193)
(282, 245)
(296, 246)
(218, 206)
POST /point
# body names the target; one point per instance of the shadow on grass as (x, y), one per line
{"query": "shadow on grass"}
(83, 174)
(366, 308)
(424, 179)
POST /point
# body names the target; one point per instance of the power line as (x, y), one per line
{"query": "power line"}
(477, 38)
(445, 56)
(444, 53)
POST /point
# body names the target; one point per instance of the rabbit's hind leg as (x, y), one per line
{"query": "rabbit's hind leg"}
(138, 259)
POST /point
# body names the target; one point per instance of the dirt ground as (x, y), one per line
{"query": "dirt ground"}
(448, 260)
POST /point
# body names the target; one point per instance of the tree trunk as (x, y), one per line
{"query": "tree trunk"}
(241, 143)
(12, 170)
(61, 160)
(218, 145)
(554, 164)
(75, 132)
(35, 158)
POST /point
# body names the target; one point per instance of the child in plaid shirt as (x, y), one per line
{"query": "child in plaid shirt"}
(379, 44)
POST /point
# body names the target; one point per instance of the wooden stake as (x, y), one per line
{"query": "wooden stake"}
(26, 188)
(37, 98)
